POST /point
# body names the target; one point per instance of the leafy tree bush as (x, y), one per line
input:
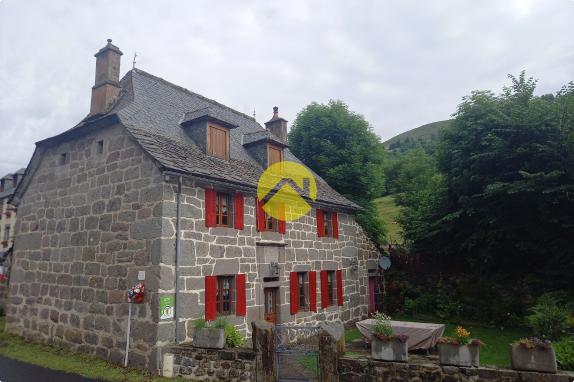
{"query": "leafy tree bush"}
(549, 318)
(341, 147)
(565, 353)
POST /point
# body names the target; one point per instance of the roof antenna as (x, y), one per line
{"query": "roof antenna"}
(134, 62)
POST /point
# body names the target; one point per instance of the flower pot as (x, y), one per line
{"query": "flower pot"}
(390, 350)
(458, 355)
(210, 338)
(535, 359)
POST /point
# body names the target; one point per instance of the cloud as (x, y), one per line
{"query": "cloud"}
(400, 64)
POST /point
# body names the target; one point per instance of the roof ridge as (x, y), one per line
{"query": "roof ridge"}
(177, 87)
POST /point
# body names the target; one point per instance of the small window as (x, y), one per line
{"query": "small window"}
(223, 210)
(225, 293)
(331, 287)
(303, 290)
(6, 233)
(328, 223)
(271, 224)
(275, 154)
(218, 142)
(100, 147)
(63, 158)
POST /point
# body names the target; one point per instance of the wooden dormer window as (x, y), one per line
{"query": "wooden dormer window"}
(218, 141)
(275, 154)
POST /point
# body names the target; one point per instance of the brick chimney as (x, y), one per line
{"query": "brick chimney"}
(277, 125)
(107, 85)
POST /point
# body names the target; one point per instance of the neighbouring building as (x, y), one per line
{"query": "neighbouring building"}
(8, 184)
(163, 180)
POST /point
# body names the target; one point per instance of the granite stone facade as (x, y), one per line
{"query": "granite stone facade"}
(89, 221)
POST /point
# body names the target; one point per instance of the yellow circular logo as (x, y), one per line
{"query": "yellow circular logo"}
(283, 188)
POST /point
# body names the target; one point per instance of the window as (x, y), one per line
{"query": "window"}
(327, 224)
(275, 155)
(222, 210)
(271, 224)
(100, 147)
(331, 287)
(6, 233)
(225, 293)
(303, 290)
(218, 142)
(63, 158)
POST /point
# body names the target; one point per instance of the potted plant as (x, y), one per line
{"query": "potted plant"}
(460, 350)
(386, 345)
(206, 336)
(533, 354)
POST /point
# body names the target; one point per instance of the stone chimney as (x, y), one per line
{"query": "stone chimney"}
(107, 85)
(277, 125)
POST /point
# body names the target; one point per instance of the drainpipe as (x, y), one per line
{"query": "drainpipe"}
(177, 256)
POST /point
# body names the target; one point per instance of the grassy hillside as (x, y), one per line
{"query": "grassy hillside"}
(424, 132)
(388, 211)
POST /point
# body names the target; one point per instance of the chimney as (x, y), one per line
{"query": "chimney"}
(107, 85)
(277, 125)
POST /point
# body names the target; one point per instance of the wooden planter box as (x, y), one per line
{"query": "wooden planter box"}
(536, 359)
(209, 338)
(391, 350)
(458, 355)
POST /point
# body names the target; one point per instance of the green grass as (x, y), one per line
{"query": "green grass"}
(14, 347)
(389, 211)
(309, 361)
(496, 350)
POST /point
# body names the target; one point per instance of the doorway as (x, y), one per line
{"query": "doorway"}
(271, 304)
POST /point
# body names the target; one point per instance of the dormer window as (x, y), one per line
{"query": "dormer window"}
(218, 141)
(275, 154)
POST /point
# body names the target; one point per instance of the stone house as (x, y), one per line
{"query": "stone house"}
(161, 180)
(8, 184)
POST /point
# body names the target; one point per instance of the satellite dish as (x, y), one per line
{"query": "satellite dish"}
(385, 262)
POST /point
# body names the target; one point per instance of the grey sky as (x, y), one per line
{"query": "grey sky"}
(400, 64)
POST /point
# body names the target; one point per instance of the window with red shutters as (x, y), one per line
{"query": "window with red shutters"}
(293, 292)
(210, 298)
(320, 224)
(340, 287)
(225, 295)
(260, 216)
(223, 210)
(238, 211)
(327, 224)
(210, 202)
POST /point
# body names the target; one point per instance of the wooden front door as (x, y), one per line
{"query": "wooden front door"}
(271, 304)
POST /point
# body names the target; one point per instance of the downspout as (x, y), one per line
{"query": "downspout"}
(177, 256)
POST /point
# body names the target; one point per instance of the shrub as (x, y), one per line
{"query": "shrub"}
(549, 318)
(565, 353)
(233, 337)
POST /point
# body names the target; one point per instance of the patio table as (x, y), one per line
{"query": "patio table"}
(421, 335)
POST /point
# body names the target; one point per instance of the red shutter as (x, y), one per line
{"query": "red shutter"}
(324, 290)
(335, 226)
(210, 298)
(210, 201)
(340, 287)
(294, 292)
(320, 224)
(241, 307)
(282, 219)
(260, 215)
(313, 291)
(238, 211)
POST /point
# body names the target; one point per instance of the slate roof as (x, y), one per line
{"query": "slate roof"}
(152, 110)
(9, 189)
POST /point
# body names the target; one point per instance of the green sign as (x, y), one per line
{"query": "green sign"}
(166, 307)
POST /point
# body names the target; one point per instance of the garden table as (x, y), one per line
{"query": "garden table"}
(421, 335)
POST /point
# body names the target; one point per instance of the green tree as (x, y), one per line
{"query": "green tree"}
(504, 201)
(342, 148)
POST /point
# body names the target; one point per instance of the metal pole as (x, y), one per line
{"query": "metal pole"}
(128, 333)
(177, 257)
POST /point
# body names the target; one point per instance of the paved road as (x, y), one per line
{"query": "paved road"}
(16, 371)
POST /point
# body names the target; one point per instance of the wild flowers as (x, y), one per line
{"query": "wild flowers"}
(383, 329)
(461, 338)
(534, 342)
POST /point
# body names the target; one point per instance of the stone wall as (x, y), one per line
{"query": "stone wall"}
(229, 365)
(86, 225)
(366, 369)
(220, 251)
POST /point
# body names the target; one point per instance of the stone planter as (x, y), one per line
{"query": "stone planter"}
(391, 350)
(458, 355)
(536, 359)
(209, 338)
